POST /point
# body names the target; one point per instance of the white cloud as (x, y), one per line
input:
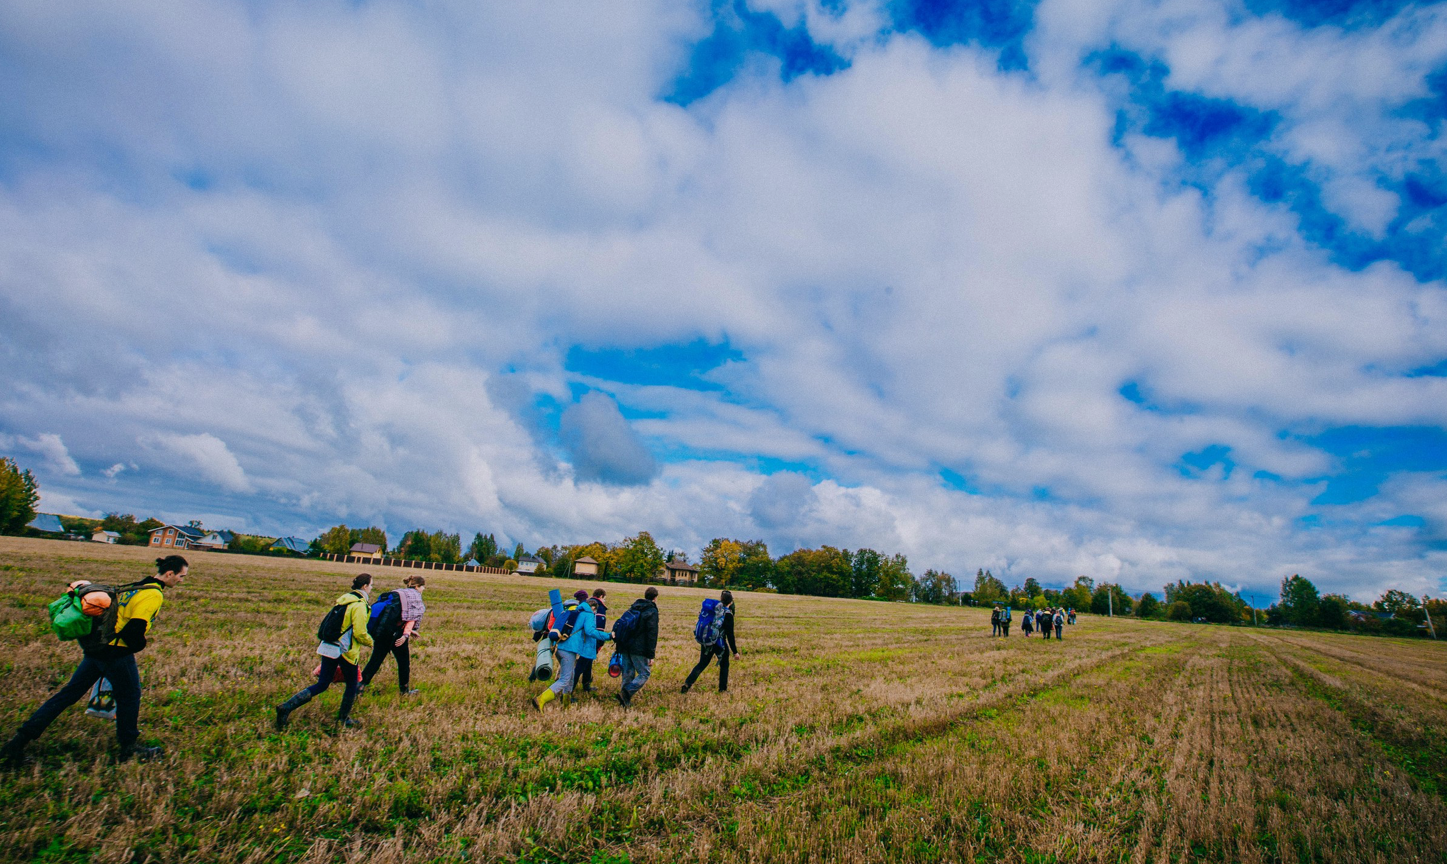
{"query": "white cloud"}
(202, 454)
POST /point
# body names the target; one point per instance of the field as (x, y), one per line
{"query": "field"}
(852, 731)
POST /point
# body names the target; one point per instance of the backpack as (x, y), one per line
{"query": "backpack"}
(625, 625)
(330, 630)
(72, 618)
(709, 628)
(385, 616)
(572, 622)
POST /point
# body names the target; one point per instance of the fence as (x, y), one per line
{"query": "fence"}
(407, 562)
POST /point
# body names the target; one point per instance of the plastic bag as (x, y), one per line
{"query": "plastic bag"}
(102, 702)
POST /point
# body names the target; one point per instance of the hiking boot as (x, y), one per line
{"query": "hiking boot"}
(361, 688)
(140, 754)
(283, 711)
(12, 755)
(625, 698)
(686, 688)
(405, 693)
(349, 723)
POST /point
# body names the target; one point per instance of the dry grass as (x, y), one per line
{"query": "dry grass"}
(852, 731)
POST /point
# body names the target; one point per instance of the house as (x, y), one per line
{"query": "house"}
(105, 537)
(47, 522)
(366, 550)
(679, 572)
(290, 544)
(528, 564)
(212, 540)
(176, 536)
(585, 566)
(472, 562)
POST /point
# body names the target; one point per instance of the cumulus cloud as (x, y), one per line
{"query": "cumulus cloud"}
(1008, 320)
(603, 447)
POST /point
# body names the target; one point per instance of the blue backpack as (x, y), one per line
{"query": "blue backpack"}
(709, 628)
(625, 625)
(386, 615)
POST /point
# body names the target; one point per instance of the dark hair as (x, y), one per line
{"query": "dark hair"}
(727, 598)
(416, 580)
(171, 564)
(650, 593)
(362, 580)
(599, 592)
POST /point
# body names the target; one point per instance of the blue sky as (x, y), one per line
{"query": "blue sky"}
(1133, 290)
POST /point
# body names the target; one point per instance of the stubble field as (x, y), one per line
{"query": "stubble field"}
(852, 731)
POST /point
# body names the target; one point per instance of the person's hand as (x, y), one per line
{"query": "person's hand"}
(400, 640)
(736, 655)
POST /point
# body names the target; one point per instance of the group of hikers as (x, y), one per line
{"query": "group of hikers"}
(111, 624)
(1040, 621)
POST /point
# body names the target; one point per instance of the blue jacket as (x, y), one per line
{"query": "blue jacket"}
(586, 636)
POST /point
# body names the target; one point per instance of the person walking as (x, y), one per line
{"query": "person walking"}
(1042, 622)
(115, 661)
(722, 647)
(635, 635)
(1072, 615)
(1059, 625)
(995, 621)
(1005, 623)
(1026, 626)
(398, 637)
(584, 673)
(338, 658)
(578, 636)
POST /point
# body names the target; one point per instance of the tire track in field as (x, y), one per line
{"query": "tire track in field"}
(897, 745)
(1372, 666)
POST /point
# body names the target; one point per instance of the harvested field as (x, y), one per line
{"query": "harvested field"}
(853, 731)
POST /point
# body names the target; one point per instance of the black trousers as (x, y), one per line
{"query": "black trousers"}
(705, 654)
(379, 653)
(583, 673)
(125, 687)
(330, 665)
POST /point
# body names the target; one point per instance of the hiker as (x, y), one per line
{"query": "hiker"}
(577, 636)
(1042, 622)
(115, 661)
(1072, 615)
(1026, 626)
(583, 674)
(340, 655)
(995, 622)
(391, 627)
(543, 623)
(1059, 626)
(635, 636)
(716, 639)
(1005, 622)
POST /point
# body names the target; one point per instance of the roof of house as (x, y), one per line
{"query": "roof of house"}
(585, 560)
(681, 565)
(108, 533)
(528, 558)
(472, 562)
(194, 532)
(292, 544)
(47, 522)
(366, 548)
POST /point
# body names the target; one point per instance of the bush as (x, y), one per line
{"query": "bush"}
(1148, 606)
(1179, 611)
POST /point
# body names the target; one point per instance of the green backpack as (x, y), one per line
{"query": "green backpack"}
(69, 621)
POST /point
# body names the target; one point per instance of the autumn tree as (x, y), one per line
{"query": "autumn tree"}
(719, 566)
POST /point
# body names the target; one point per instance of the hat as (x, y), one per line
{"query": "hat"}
(580, 594)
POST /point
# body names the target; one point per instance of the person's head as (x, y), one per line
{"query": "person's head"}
(580, 595)
(651, 593)
(599, 593)
(171, 570)
(363, 582)
(416, 580)
(726, 598)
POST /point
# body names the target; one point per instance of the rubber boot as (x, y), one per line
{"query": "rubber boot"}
(543, 698)
(140, 753)
(283, 711)
(566, 699)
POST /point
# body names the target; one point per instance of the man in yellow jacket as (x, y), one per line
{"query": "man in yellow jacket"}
(340, 658)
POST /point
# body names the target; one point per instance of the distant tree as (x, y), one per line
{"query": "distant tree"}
(1300, 602)
(988, 589)
(1332, 611)
(415, 546)
(1032, 588)
(446, 548)
(336, 540)
(1147, 606)
(934, 587)
(638, 560)
(1180, 610)
(756, 567)
(18, 496)
(483, 547)
(864, 569)
(1208, 600)
(1078, 595)
(1400, 604)
(822, 572)
(519, 553)
(719, 566)
(1110, 599)
(509, 565)
(895, 580)
(372, 535)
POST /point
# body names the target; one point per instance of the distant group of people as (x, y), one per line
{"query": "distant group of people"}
(1041, 621)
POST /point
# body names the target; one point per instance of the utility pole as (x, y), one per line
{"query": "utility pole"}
(1110, 601)
(1253, 609)
(1430, 629)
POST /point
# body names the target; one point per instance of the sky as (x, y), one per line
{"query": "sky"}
(1142, 291)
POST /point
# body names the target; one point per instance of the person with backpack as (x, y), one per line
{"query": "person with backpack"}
(583, 673)
(995, 621)
(342, 633)
(1005, 622)
(1071, 617)
(576, 636)
(109, 650)
(393, 618)
(1026, 626)
(1059, 626)
(635, 637)
(1042, 622)
(714, 633)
